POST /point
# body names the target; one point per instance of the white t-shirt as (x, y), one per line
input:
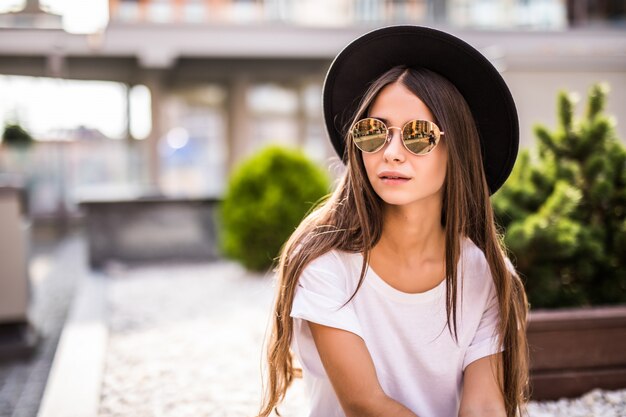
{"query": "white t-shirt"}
(417, 361)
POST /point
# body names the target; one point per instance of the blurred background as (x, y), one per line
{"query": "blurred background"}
(123, 121)
(135, 97)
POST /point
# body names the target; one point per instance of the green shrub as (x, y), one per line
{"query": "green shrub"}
(15, 135)
(266, 198)
(564, 210)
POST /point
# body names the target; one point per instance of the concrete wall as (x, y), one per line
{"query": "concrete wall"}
(535, 95)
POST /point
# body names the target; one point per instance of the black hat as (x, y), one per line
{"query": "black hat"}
(486, 93)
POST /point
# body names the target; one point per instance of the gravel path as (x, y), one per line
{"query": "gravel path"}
(185, 340)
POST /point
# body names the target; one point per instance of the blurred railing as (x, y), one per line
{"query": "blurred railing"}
(57, 174)
(538, 14)
(474, 14)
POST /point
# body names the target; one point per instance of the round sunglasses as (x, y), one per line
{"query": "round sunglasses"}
(418, 136)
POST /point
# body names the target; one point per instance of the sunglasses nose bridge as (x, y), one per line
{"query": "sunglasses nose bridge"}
(390, 136)
(390, 133)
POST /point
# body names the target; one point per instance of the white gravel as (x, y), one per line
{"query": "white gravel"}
(186, 340)
(596, 403)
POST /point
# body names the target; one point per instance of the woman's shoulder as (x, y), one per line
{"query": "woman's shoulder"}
(474, 262)
(472, 255)
(473, 266)
(330, 271)
(335, 260)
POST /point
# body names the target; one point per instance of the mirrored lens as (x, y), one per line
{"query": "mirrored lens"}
(369, 135)
(420, 136)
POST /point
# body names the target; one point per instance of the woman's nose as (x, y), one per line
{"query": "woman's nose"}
(394, 148)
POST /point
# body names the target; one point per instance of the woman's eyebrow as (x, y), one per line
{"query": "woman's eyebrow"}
(382, 119)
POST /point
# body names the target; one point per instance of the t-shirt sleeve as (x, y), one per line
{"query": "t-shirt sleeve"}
(485, 340)
(320, 294)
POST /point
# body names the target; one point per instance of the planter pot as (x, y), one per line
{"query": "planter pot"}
(573, 351)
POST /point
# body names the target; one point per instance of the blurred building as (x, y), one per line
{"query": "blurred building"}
(226, 77)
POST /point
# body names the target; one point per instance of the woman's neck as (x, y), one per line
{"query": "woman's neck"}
(412, 235)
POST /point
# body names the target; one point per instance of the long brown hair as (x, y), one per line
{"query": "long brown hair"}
(350, 219)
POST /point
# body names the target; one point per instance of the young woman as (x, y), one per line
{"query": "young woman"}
(395, 294)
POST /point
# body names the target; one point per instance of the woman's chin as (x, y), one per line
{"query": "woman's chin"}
(396, 200)
(403, 199)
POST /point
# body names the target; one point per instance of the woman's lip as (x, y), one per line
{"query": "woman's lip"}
(391, 174)
(392, 181)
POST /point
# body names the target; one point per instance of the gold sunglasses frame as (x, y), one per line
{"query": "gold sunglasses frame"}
(389, 136)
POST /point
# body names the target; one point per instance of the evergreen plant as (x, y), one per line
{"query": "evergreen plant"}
(564, 209)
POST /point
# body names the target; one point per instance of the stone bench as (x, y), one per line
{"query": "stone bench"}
(150, 229)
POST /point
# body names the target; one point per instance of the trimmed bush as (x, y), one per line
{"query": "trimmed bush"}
(266, 198)
(564, 209)
(15, 135)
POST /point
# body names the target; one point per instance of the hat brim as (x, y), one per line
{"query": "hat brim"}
(480, 83)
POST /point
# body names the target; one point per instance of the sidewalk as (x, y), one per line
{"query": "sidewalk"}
(54, 272)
